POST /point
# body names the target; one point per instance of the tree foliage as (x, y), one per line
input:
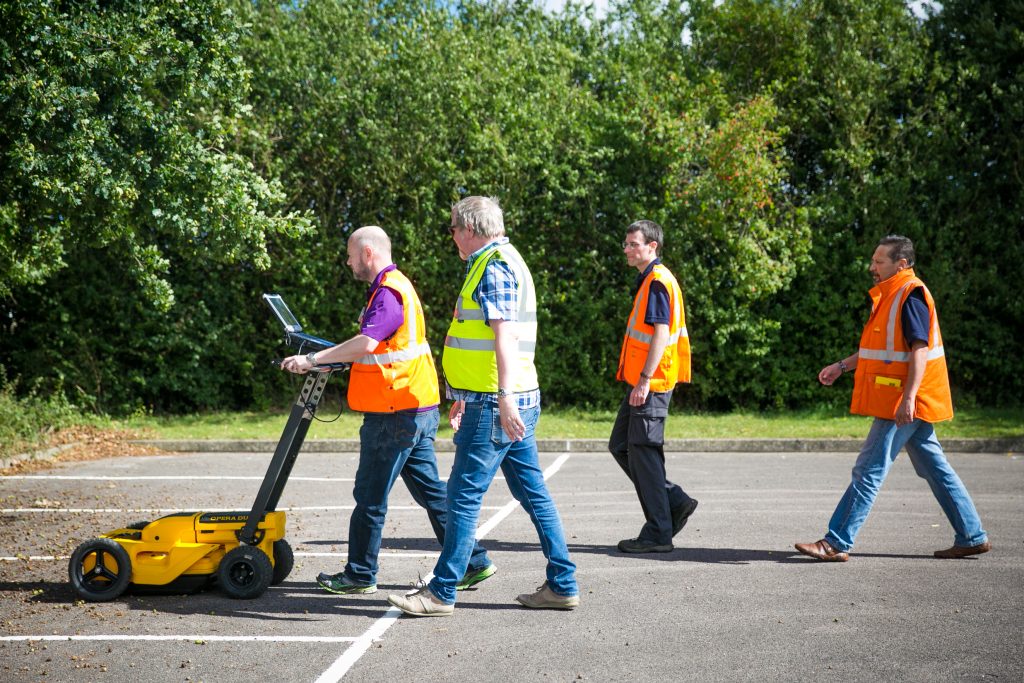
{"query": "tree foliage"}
(115, 123)
(220, 149)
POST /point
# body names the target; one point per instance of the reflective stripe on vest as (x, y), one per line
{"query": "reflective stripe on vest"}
(890, 354)
(399, 374)
(470, 359)
(387, 357)
(883, 358)
(674, 365)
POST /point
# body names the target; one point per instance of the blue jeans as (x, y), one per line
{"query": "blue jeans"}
(481, 446)
(393, 444)
(884, 442)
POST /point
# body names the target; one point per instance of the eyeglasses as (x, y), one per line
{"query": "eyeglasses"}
(632, 245)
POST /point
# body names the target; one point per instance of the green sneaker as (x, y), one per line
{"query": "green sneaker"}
(342, 585)
(475, 576)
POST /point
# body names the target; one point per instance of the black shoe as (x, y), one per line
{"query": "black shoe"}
(681, 514)
(639, 545)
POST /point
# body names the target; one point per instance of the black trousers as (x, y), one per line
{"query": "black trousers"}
(638, 445)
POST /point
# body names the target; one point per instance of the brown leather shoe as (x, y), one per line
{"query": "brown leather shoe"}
(958, 551)
(821, 550)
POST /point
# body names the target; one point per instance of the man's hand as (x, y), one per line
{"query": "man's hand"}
(455, 414)
(905, 411)
(915, 373)
(830, 373)
(638, 396)
(300, 365)
(511, 423)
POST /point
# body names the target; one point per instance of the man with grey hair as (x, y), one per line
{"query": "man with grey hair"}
(489, 369)
(393, 383)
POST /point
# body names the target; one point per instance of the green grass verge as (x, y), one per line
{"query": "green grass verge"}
(591, 424)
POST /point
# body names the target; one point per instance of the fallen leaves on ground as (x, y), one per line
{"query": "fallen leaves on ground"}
(83, 443)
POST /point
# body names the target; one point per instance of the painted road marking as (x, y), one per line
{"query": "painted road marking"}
(342, 556)
(193, 638)
(352, 654)
(174, 477)
(13, 511)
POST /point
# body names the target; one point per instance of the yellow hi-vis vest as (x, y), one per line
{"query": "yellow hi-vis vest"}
(883, 361)
(399, 374)
(674, 365)
(469, 360)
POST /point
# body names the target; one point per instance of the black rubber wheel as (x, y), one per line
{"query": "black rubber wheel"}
(245, 572)
(100, 570)
(284, 560)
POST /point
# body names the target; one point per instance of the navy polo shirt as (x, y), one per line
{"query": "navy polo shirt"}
(659, 308)
(915, 318)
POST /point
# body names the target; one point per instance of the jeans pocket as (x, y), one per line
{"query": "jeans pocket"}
(468, 423)
(498, 435)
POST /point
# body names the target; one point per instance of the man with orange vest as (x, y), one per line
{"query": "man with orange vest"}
(655, 356)
(393, 382)
(900, 379)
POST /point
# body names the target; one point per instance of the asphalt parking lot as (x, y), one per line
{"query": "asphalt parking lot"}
(732, 602)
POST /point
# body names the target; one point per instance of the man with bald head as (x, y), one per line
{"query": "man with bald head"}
(393, 382)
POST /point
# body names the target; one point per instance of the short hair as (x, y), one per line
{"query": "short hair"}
(651, 231)
(900, 247)
(482, 214)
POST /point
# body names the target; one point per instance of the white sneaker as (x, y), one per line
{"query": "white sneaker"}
(421, 603)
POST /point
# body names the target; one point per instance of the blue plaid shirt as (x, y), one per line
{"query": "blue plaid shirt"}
(498, 297)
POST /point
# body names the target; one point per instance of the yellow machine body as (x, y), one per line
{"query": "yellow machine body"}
(190, 543)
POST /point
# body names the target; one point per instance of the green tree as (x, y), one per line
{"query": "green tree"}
(127, 223)
(973, 195)
(114, 122)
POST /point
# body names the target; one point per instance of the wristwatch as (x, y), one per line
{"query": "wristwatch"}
(502, 393)
(311, 357)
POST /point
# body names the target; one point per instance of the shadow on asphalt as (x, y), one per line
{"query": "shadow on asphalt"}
(389, 543)
(691, 554)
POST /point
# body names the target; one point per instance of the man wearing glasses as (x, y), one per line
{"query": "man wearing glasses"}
(488, 365)
(655, 356)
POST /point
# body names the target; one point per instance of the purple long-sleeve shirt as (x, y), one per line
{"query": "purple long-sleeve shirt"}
(384, 313)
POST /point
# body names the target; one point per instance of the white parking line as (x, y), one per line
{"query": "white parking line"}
(156, 511)
(160, 477)
(341, 556)
(174, 477)
(193, 638)
(352, 654)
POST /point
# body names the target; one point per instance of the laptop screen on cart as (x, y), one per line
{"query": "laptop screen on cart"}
(283, 313)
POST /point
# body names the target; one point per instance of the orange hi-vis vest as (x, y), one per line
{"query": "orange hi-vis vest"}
(674, 365)
(399, 373)
(883, 362)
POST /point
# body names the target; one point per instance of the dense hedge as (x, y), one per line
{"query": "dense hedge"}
(775, 141)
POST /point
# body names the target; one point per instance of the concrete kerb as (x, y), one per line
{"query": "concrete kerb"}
(45, 454)
(1007, 445)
